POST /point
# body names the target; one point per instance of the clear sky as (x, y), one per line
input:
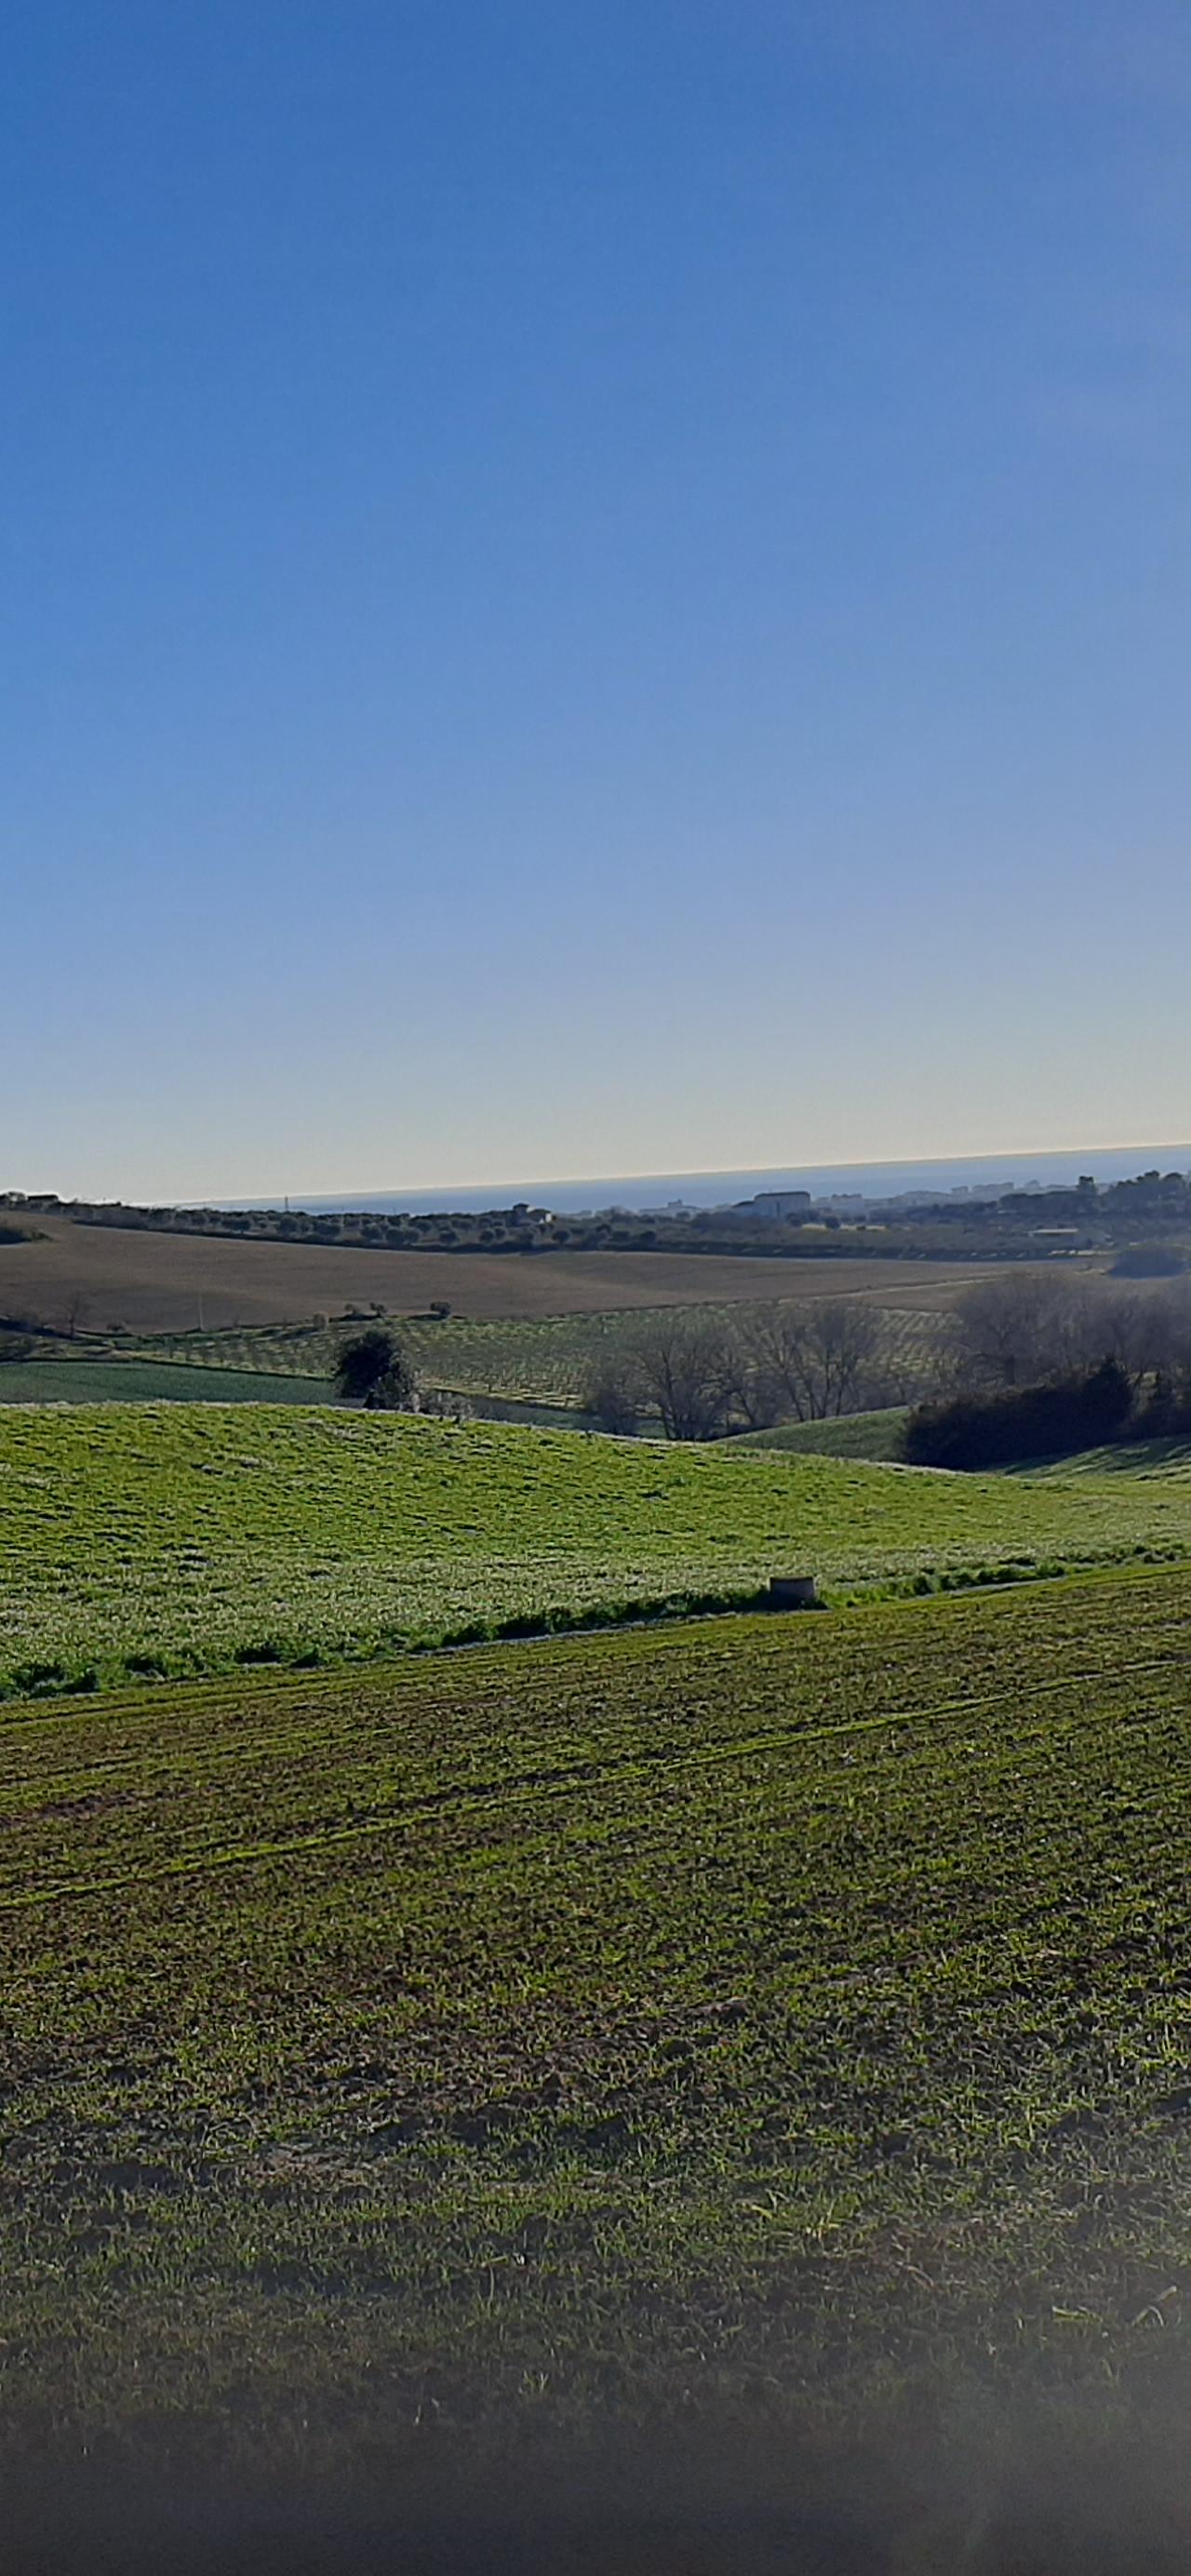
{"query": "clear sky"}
(591, 585)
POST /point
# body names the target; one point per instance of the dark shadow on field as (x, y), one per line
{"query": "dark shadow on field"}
(991, 2498)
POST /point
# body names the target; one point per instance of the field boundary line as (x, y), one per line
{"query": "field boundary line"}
(56, 1707)
(411, 1652)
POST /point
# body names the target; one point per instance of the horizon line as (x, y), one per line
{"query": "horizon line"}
(741, 1171)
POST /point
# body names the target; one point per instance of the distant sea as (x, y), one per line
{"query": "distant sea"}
(719, 1189)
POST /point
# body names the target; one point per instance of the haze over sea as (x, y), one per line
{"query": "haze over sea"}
(1052, 1169)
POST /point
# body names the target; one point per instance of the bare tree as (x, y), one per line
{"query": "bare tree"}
(1149, 1331)
(611, 1392)
(1019, 1327)
(1176, 1301)
(812, 1360)
(683, 1373)
(701, 1375)
(751, 1398)
(1130, 1329)
(846, 1345)
(1025, 1326)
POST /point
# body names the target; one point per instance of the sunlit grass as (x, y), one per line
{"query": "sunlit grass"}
(172, 1538)
(804, 1997)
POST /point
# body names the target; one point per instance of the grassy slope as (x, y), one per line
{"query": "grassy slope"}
(878, 1435)
(1164, 1459)
(106, 1381)
(740, 2008)
(191, 1535)
(852, 1435)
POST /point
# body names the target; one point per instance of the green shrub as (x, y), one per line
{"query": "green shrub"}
(1055, 1419)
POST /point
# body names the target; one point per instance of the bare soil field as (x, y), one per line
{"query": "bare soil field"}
(96, 1277)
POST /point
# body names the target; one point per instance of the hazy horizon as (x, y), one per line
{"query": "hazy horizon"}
(1053, 1166)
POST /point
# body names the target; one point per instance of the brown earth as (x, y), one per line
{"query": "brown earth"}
(91, 1278)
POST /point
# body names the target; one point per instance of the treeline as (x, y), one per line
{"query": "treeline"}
(923, 1235)
(1151, 1210)
(516, 1229)
(1154, 1201)
(702, 1377)
(1026, 1326)
(1052, 1420)
(1044, 1366)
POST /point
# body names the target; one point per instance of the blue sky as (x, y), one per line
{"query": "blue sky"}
(591, 586)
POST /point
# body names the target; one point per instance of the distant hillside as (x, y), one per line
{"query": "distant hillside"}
(89, 1278)
(847, 1435)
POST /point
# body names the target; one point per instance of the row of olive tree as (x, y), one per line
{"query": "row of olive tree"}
(700, 1376)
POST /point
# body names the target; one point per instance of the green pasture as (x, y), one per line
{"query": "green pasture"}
(1165, 1460)
(752, 2016)
(139, 1381)
(845, 1435)
(171, 1538)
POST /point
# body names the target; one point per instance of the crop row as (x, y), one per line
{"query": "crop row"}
(543, 1360)
(530, 2012)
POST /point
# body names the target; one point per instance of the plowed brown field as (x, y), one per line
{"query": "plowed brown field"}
(100, 1276)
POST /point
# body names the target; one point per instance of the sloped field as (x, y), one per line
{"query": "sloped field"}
(761, 2008)
(845, 1435)
(99, 1277)
(142, 1538)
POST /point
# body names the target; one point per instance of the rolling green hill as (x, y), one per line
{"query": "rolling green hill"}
(1146, 1459)
(846, 1435)
(180, 1538)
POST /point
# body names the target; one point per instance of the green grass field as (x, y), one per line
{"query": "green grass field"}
(846, 1435)
(172, 1538)
(1166, 1460)
(740, 2012)
(139, 1381)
